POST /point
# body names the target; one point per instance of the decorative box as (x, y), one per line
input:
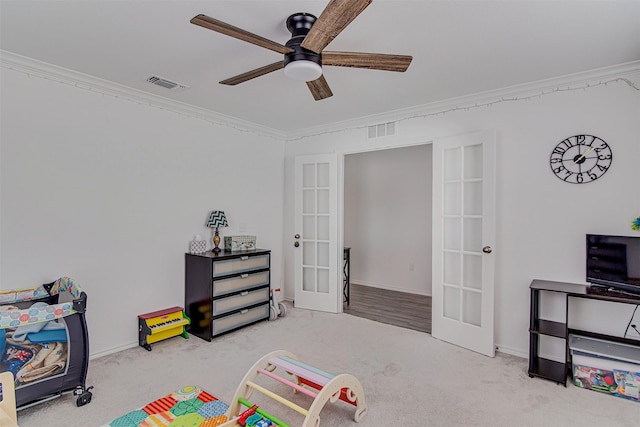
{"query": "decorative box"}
(197, 246)
(239, 243)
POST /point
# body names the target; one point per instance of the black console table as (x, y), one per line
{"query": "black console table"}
(550, 369)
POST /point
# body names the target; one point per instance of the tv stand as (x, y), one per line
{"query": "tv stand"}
(550, 369)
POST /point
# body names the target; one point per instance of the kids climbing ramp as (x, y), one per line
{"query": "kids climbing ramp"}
(285, 368)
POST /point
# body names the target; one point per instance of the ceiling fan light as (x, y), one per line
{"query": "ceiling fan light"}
(303, 70)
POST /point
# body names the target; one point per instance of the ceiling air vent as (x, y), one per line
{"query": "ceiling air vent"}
(382, 129)
(167, 84)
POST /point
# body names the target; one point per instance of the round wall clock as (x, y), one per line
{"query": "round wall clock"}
(580, 159)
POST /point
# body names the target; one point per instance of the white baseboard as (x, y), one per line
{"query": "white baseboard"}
(112, 350)
(391, 288)
(512, 351)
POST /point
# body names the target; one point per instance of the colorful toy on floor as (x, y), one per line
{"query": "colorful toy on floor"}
(324, 387)
(242, 419)
(161, 325)
(191, 406)
(278, 309)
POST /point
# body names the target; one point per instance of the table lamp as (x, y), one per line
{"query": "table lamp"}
(216, 220)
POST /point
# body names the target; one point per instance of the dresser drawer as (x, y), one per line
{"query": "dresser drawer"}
(240, 264)
(244, 299)
(244, 317)
(240, 283)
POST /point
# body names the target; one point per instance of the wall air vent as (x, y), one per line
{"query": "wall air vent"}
(167, 84)
(382, 129)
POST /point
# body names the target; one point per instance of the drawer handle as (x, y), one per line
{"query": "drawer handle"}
(244, 294)
(244, 276)
(244, 258)
(245, 311)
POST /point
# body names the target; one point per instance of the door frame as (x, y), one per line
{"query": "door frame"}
(402, 143)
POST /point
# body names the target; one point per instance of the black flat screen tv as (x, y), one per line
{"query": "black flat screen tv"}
(614, 262)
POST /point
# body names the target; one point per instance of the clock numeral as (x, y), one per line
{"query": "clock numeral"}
(593, 176)
(602, 168)
(559, 169)
(601, 147)
(579, 178)
(556, 160)
(567, 143)
(559, 150)
(581, 140)
(603, 157)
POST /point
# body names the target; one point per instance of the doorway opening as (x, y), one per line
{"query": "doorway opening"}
(387, 226)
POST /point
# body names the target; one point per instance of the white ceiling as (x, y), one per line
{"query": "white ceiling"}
(459, 48)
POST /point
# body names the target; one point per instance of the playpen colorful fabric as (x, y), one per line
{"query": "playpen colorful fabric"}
(11, 316)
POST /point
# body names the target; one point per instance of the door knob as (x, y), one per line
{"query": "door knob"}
(487, 249)
(297, 236)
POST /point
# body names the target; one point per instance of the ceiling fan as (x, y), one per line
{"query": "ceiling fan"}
(303, 53)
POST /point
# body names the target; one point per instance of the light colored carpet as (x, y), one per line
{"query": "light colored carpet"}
(410, 378)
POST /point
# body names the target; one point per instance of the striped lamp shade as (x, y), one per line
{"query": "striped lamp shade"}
(217, 219)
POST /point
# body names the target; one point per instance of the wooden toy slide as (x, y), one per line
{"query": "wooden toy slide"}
(8, 415)
(319, 385)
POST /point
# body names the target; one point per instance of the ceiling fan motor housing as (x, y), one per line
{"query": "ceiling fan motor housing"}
(299, 25)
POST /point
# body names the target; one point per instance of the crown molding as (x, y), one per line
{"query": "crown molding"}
(45, 70)
(583, 79)
(33, 67)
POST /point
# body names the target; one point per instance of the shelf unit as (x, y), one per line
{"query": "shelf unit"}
(550, 369)
(539, 366)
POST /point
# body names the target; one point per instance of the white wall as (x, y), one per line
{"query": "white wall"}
(541, 221)
(109, 192)
(387, 218)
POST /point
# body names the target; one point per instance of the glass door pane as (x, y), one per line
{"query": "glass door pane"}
(462, 234)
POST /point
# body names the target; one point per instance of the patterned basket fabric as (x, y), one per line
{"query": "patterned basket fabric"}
(198, 246)
(189, 406)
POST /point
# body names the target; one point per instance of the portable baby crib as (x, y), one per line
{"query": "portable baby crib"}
(319, 385)
(44, 342)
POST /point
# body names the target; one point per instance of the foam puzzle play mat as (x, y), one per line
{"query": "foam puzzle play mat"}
(189, 406)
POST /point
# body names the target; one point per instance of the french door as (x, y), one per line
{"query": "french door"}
(463, 235)
(317, 284)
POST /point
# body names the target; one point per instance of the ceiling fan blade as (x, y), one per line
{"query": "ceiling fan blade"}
(238, 33)
(373, 61)
(319, 88)
(334, 18)
(241, 78)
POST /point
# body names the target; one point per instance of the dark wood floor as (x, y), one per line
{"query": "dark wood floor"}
(392, 307)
